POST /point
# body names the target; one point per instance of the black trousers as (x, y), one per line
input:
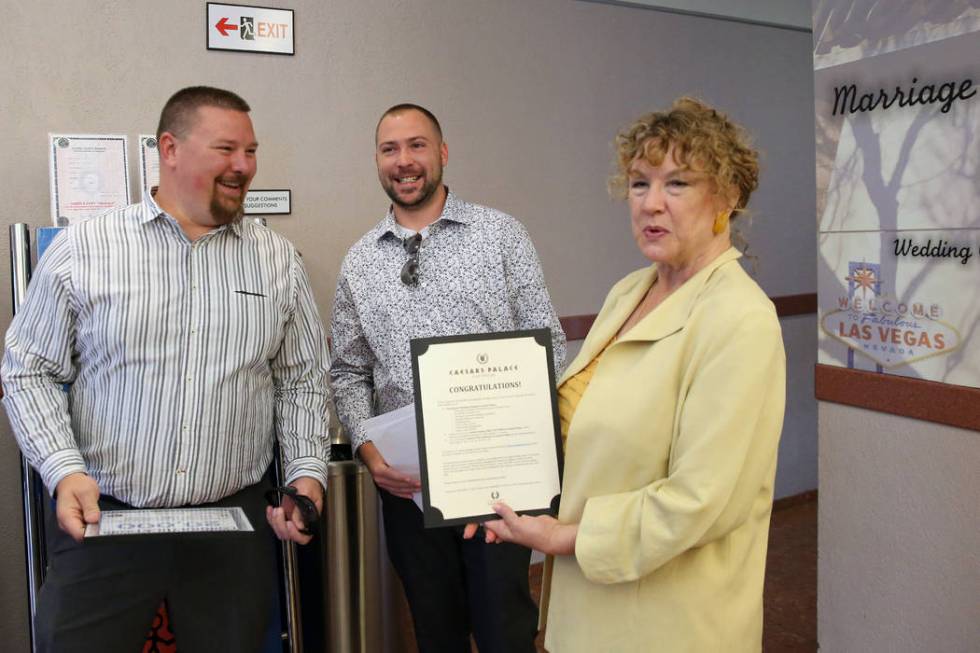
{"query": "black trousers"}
(101, 595)
(456, 586)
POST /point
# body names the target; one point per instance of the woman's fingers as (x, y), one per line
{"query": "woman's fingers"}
(505, 511)
(499, 529)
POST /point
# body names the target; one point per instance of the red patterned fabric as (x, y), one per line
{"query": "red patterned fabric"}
(160, 639)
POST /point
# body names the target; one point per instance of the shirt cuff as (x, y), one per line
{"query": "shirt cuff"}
(357, 438)
(307, 466)
(59, 465)
(598, 549)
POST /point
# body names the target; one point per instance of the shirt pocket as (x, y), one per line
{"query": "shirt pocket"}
(249, 325)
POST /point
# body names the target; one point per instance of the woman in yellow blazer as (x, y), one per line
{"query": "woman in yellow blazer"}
(673, 411)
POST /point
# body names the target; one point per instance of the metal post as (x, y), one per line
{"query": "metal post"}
(32, 489)
(350, 564)
(290, 574)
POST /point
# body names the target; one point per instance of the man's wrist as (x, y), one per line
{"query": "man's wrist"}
(59, 465)
(309, 487)
(369, 454)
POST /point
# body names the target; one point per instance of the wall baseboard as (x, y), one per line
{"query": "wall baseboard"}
(794, 500)
(942, 403)
(577, 326)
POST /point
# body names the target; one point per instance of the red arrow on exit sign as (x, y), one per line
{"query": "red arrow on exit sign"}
(223, 26)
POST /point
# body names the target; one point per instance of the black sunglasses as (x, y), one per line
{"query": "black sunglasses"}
(410, 271)
(305, 505)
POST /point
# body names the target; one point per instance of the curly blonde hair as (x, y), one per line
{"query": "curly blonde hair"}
(703, 139)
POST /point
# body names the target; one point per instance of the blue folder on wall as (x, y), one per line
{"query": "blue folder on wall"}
(44, 237)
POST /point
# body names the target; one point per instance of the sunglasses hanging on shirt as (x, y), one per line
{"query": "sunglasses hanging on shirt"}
(410, 271)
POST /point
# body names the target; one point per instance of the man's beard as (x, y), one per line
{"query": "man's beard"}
(224, 215)
(222, 212)
(427, 190)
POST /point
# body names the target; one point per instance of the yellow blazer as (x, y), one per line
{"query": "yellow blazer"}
(669, 471)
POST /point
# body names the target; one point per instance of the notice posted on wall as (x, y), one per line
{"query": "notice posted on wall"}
(268, 202)
(149, 164)
(89, 176)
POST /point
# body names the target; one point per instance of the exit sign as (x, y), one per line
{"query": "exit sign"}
(250, 29)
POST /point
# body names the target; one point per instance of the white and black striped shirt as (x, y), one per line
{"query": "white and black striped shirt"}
(185, 360)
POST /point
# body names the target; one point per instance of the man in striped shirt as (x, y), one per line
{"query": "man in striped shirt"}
(191, 342)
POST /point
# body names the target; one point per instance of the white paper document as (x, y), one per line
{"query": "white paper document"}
(169, 520)
(149, 164)
(89, 176)
(394, 434)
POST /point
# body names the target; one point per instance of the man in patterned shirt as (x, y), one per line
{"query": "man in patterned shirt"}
(191, 341)
(434, 266)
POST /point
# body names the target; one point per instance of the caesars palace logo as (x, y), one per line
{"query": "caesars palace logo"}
(888, 330)
(482, 367)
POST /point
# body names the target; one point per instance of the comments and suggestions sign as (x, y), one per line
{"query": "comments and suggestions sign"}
(268, 202)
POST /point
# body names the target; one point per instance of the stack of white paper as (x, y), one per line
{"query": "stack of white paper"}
(395, 436)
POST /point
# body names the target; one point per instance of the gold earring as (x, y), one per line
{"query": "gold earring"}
(721, 221)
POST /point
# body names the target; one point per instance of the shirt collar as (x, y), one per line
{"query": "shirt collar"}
(454, 210)
(150, 210)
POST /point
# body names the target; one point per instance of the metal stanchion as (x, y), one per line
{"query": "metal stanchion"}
(349, 566)
(293, 635)
(340, 580)
(32, 489)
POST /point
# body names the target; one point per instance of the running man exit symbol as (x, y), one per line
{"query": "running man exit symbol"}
(247, 31)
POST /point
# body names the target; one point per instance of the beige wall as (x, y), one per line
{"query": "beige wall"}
(530, 95)
(899, 560)
(790, 13)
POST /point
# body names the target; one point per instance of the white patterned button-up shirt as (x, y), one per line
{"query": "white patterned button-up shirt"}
(479, 273)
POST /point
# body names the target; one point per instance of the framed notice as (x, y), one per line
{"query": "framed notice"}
(487, 420)
(250, 29)
(89, 175)
(268, 202)
(149, 164)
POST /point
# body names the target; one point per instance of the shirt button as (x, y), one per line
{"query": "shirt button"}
(181, 472)
(183, 428)
(190, 378)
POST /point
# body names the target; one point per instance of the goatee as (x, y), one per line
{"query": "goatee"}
(225, 215)
(425, 193)
(221, 211)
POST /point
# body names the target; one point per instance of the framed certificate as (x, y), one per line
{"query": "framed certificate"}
(89, 176)
(487, 419)
(149, 164)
